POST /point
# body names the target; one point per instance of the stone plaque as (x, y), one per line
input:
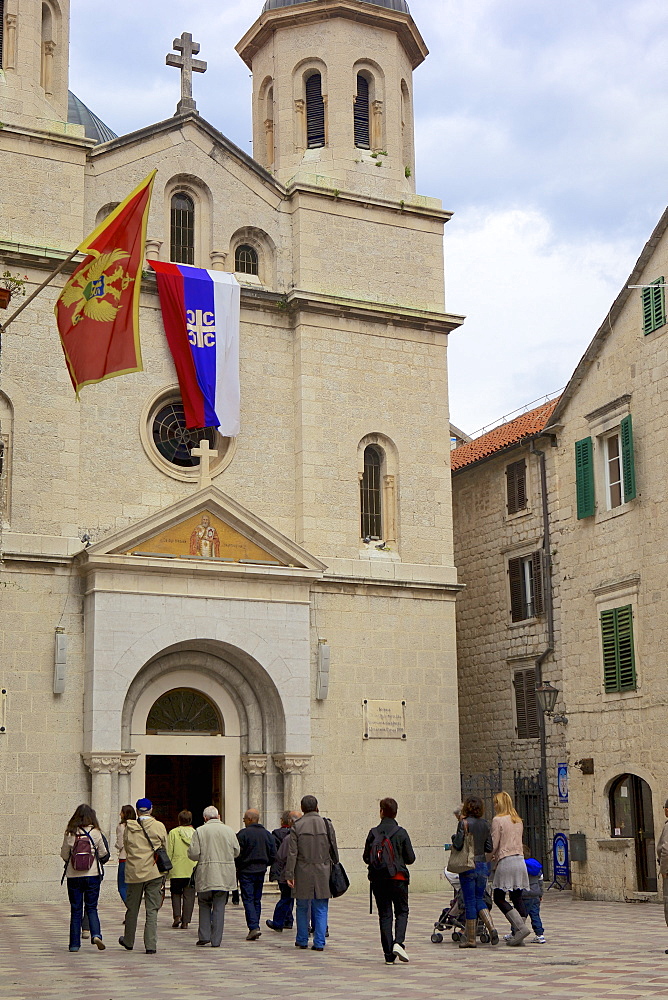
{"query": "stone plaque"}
(384, 720)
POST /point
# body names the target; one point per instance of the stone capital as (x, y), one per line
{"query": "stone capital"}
(292, 763)
(153, 249)
(218, 258)
(109, 762)
(254, 763)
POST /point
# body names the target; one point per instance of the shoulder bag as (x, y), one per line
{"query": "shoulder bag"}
(160, 856)
(338, 879)
(464, 859)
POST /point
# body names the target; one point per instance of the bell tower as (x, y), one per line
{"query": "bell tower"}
(332, 92)
(34, 55)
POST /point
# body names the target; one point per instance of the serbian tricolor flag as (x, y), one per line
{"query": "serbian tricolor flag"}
(200, 312)
(98, 309)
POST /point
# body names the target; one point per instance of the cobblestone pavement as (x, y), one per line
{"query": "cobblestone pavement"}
(597, 951)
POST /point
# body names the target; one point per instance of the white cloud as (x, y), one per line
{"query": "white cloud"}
(532, 305)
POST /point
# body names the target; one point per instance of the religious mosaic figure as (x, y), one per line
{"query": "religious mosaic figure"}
(204, 540)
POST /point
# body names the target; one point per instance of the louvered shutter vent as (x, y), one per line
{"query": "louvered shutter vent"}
(361, 114)
(315, 112)
(516, 474)
(584, 477)
(653, 306)
(625, 652)
(537, 569)
(517, 602)
(628, 464)
(525, 704)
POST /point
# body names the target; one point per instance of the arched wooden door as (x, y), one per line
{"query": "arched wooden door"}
(631, 816)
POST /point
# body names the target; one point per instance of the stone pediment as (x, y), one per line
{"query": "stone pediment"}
(209, 528)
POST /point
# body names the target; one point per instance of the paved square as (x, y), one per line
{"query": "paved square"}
(595, 951)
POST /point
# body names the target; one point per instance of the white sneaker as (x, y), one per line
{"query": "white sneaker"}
(400, 952)
(539, 939)
(507, 937)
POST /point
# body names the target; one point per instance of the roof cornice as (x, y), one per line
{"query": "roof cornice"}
(312, 11)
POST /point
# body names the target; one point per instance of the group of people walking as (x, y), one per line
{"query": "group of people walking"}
(209, 862)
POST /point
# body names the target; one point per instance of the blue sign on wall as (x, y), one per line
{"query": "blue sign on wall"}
(562, 868)
(562, 782)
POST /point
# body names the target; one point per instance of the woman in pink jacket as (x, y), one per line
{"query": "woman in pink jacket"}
(510, 872)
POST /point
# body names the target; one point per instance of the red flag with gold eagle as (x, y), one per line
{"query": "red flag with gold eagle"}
(98, 309)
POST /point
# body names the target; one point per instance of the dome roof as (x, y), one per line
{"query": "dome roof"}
(79, 114)
(400, 5)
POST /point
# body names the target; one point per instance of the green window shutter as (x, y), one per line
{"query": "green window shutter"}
(625, 651)
(517, 601)
(619, 667)
(584, 477)
(628, 465)
(653, 306)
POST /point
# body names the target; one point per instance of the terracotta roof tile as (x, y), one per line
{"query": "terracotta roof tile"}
(525, 426)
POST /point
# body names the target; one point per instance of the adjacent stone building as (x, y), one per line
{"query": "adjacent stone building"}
(310, 643)
(604, 562)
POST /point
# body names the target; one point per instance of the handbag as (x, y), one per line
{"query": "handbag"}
(463, 860)
(160, 855)
(338, 878)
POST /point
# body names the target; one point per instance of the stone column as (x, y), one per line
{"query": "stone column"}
(102, 765)
(47, 67)
(255, 766)
(218, 258)
(128, 760)
(390, 510)
(292, 767)
(10, 47)
(153, 249)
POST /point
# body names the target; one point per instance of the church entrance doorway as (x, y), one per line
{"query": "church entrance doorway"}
(174, 783)
(631, 816)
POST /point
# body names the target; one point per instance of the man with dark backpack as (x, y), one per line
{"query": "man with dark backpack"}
(387, 853)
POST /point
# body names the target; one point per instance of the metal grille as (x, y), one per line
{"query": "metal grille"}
(370, 496)
(183, 711)
(530, 804)
(315, 112)
(485, 785)
(361, 114)
(173, 439)
(246, 260)
(182, 230)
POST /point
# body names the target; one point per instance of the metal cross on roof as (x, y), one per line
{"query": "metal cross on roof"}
(188, 66)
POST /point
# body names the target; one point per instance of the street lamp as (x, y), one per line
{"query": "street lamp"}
(546, 696)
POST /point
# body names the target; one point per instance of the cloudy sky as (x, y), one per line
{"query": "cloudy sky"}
(541, 125)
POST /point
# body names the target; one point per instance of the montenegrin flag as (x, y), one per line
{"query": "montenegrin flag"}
(98, 310)
(200, 312)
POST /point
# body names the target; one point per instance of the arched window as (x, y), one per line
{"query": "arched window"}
(371, 506)
(269, 127)
(315, 112)
(48, 49)
(182, 237)
(105, 211)
(183, 711)
(246, 260)
(362, 114)
(631, 815)
(6, 421)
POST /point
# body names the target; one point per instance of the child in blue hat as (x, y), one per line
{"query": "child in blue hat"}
(533, 895)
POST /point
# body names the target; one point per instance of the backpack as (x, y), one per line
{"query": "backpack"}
(83, 853)
(381, 857)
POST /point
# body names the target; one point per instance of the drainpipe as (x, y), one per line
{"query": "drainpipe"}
(549, 613)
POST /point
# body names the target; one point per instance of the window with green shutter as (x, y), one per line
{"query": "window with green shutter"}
(584, 477)
(619, 665)
(628, 465)
(653, 306)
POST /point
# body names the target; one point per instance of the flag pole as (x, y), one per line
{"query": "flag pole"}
(61, 267)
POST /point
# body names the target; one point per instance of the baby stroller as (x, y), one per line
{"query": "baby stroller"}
(453, 917)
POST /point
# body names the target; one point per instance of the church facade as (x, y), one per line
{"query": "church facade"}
(280, 618)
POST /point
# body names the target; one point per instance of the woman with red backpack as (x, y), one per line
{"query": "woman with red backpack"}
(84, 852)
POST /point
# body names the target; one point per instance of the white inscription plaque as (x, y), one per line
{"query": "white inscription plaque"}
(384, 720)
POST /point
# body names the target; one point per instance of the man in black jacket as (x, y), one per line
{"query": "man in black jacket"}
(258, 851)
(387, 852)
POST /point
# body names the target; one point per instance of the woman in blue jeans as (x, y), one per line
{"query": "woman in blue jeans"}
(84, 853)
(474, 881)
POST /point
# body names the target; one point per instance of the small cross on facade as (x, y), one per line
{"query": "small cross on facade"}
(205, 454)
(188, 66)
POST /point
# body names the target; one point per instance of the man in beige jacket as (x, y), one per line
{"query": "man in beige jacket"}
(662, 861)
(142, 876)
(214, 847)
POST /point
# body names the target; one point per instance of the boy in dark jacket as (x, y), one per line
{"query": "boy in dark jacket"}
(387, 852)
(258, 851)
(283, 913)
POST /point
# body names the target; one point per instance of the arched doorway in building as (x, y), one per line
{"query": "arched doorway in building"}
(631, 816)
